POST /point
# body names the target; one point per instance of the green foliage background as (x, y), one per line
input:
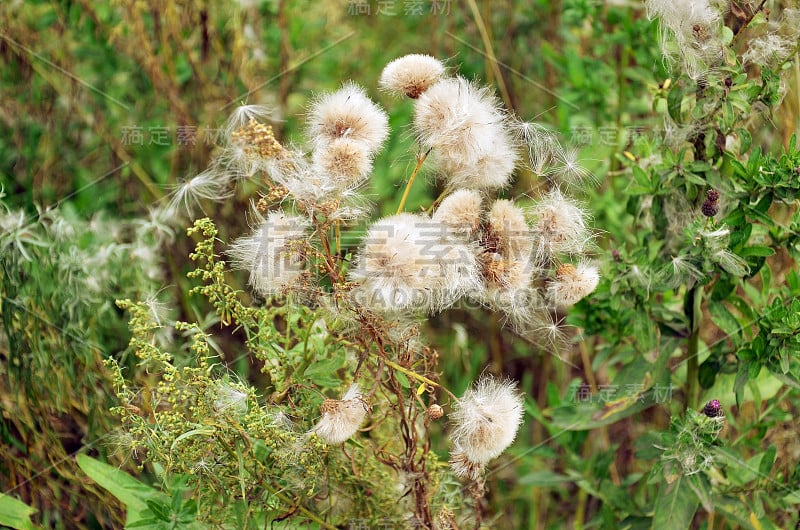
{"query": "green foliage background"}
(78, 77)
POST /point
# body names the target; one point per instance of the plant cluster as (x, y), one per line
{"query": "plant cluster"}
(339, 318)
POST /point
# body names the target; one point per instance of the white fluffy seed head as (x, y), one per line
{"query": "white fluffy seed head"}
(462, 466)
(505, 277)
(411, 75)
(507, 231)
(461, 212)
(691, 31)
(468, 133)
(768, 49)
(486, 419)
(272, 252)
(409, 262)
(347, 113)
(572, 284)
(341, 418)
(559, 227)
(346, 162)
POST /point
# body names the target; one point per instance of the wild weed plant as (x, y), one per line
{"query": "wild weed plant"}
(690, 315)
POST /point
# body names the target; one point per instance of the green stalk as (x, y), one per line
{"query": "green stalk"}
(693, 305)
(420, 160)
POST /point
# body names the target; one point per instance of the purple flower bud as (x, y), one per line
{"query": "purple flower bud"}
(713, 409)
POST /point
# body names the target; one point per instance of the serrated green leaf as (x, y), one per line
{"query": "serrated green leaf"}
(323, 373)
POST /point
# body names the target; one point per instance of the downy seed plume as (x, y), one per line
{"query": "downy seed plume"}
(462, 466)
(347, 113)
(411, 75)
(341, 418)
(507, 230)
(408, 262)
(187, 197)
(572, 284)
(272, 253)
(468, 134)
(460, 212)
(559, 227)
(690, 30)
(486, 420)
(345, 162)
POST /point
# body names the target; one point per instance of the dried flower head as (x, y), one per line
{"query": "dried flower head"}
(486, 419)
(410, 263)
(347, 113)
(507, 231)
(461, 212)
(691, 30)
(272, 253)
(468, 133)
(411, 75)
(768, 49)
(257, 140)
(572, 284)
(341, 418)
(345, 161)
(245, 114)
(462, 466)
(559, 227)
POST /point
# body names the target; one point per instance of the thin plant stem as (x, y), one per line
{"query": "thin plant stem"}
(420, 160)
(604, 437)
(694, 302)
(487, 44)
(418, 377)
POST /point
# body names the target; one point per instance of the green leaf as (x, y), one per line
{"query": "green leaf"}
(724, 319)
(642, 178)
(15, 514)
(323, 373)
(707, 374)
(402, 379)
(757, 251)
(765, 466)
(132, 493)
(675, 101)
(741, 381)
(675, 506)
